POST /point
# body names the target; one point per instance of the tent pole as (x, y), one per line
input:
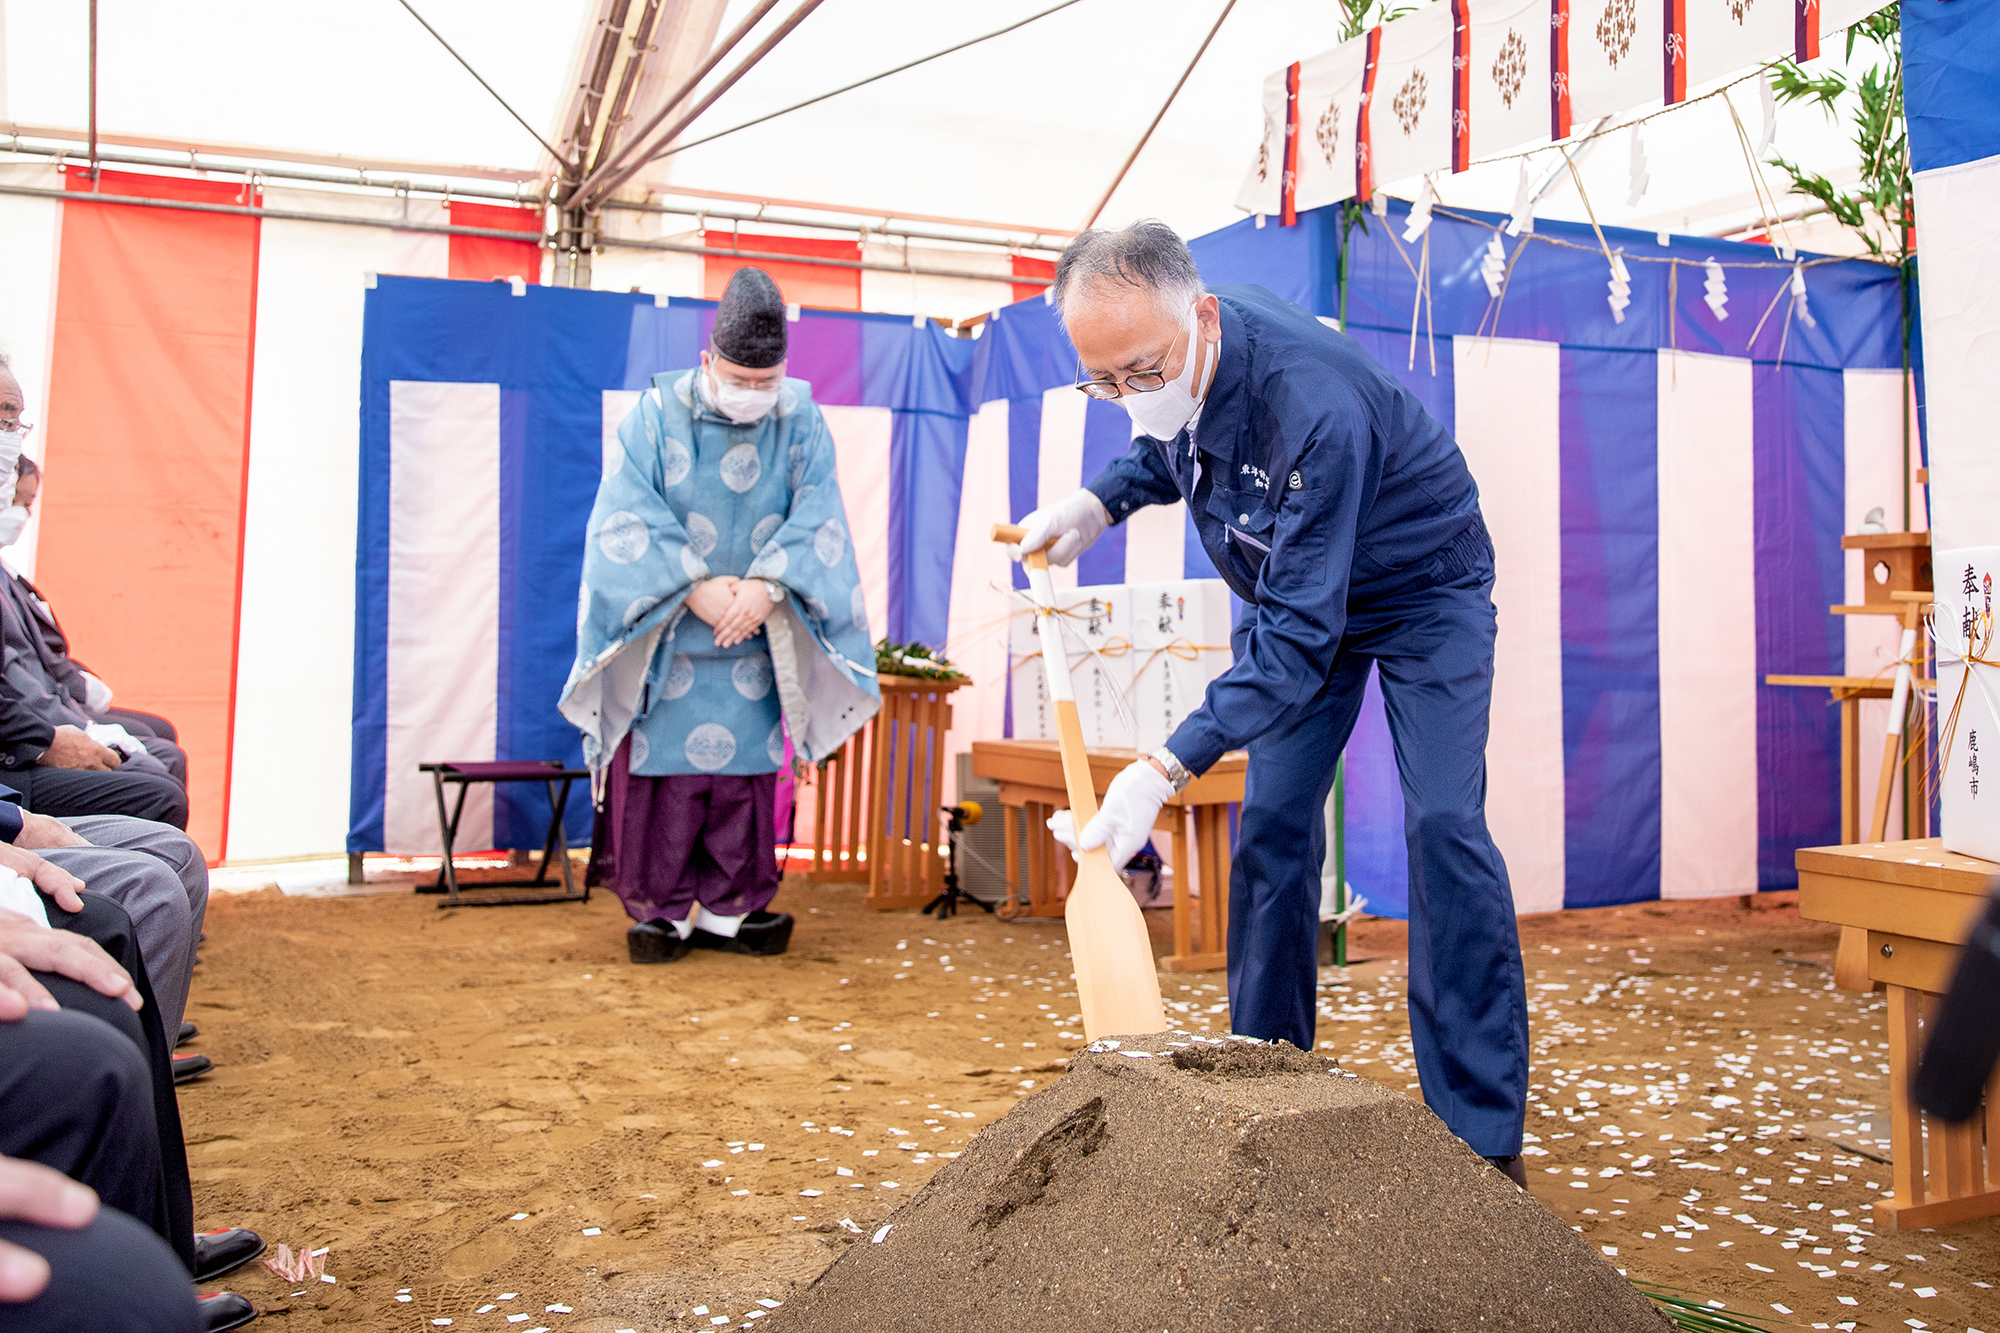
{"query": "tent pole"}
(615, 179)
(688, 85)
(499, 234)
(93, 94)
(642, 44)
(1140, 146)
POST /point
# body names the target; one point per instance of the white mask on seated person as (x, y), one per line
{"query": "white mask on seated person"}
(11, 442)
(13, 520)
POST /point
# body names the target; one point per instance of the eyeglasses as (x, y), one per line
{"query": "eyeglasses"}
(1145, 381)
(24, 427)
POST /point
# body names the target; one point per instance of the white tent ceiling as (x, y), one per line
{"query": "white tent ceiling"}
(1027, 128)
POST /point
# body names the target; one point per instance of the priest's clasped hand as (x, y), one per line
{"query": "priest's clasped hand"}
(735, 608)
(1125, 820)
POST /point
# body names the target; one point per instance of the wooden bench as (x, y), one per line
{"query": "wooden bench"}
(1916, 902)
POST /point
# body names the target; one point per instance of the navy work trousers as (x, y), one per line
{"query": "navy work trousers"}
(1433, 645)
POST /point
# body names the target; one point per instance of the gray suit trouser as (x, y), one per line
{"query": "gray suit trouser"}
(157, 874)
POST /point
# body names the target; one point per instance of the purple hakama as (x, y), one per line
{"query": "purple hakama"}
(664, 844)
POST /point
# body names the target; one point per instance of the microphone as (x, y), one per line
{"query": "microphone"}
(1965, 1042)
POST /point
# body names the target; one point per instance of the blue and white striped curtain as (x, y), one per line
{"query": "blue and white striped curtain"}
(1666, 495)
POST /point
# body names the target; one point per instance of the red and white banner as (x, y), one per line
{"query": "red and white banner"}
(1455, 81)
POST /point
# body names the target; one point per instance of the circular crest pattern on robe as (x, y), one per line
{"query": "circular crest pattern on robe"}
(680, 678)
(774, 745)
(752, 675)
(830, 542)
(623, 538)
(740, 467)
(676, 461)
(701, 533)
(710, 746)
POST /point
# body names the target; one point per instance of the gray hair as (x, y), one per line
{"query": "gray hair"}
(1147, 256)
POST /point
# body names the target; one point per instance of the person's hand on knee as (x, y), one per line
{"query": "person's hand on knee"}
(55, 882)
(31, 1192)
(71, 748)
(41, 832)
(27, 947)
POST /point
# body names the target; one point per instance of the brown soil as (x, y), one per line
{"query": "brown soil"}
(1196, 1184)
(453, 1100)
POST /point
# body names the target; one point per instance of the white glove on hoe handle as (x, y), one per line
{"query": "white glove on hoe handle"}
(1123, 823)
(1066, 528)
(1117, 982)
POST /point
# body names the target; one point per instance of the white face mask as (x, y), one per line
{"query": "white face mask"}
(1163, 412)
(11, 442)
(741, 406)
(12, 520)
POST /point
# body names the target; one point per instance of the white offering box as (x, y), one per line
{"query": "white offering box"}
(1180, 638)
(1100, 617)
(1969, 758)
(1097, 629)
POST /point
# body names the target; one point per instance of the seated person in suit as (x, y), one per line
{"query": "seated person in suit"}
(85, 1090)
(50, 706)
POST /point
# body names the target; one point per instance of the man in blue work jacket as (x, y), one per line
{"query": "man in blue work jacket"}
(1345, 519)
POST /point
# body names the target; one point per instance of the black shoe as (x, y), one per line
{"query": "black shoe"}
(762, 935)
(187, 1034)
(225, 1310)
(188, 1068)
(656, 942)
(1511, 1168)
(220, 1252)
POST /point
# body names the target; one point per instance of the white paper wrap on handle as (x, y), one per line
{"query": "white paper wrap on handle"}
(1055, 658)
(1899, 698)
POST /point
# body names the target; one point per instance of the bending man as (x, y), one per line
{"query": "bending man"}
(1345, 518)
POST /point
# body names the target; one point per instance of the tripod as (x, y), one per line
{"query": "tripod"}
(957, 819)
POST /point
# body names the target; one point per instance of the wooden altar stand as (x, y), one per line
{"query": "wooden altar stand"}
(1029, 774)
(1916, 902)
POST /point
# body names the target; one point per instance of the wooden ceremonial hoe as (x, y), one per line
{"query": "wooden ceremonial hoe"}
(1117, 986)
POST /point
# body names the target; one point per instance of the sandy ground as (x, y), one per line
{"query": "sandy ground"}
(490, 1118)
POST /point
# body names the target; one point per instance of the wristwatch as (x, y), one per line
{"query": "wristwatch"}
(1177, 772)
(775, 589)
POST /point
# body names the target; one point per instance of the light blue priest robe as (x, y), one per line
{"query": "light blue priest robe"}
(688, 494)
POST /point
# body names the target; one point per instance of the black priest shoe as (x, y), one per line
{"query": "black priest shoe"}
(225, 1310)
(1511, 1168)
(656, 942)
(188, 1068)
(187, 1034)
(219, 1252)
(762, 935)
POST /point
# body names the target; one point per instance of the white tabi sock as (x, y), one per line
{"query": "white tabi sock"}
(684, 928)
(725, 926)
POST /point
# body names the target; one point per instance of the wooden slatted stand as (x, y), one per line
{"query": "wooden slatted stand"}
(1029, 774)
(906, 791)
(1916, 902)
(840, 804)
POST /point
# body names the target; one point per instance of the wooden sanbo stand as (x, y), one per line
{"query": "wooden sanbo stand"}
(1117, 986)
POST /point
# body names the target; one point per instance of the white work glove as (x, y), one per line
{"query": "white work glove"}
(1071, 524)
(1131, 804)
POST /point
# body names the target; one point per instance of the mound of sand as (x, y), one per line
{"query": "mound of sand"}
(1187, 1185)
